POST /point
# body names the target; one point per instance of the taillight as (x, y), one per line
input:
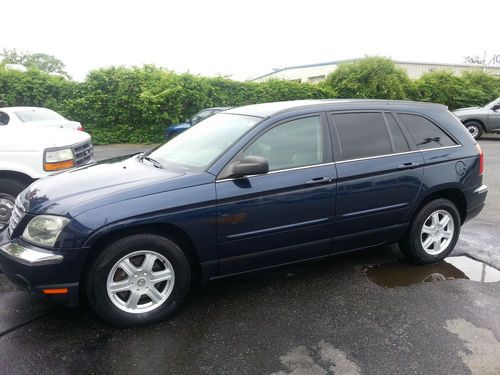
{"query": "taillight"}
(80, 128)
(481, 159)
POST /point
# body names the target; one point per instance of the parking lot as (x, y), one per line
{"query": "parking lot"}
(324, 317)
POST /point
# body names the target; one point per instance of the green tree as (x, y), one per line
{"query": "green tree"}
(371, 77)
(41, 61)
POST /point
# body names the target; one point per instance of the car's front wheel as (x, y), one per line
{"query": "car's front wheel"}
(138, 280)
(475, 129)
(433, 233)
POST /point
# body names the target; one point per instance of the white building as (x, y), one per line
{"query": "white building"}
(317, 72)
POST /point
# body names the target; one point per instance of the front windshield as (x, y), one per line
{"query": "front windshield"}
(491, 104)
(35, 115)
(198, 147)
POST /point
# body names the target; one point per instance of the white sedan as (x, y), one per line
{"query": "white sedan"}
(42, 117)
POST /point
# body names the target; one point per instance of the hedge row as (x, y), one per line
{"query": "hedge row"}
(133, 105)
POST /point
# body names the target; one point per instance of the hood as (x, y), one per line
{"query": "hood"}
(74, 192)
(468, 109)
(33, 138)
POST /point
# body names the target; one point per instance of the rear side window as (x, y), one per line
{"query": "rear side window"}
(426, 134)
(398, 140)
(364, 135)
(296, 143)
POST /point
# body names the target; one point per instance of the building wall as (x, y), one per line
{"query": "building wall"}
(415, 70)
(317, 73)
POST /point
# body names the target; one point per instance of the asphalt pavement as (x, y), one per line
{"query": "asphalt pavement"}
(324, 317)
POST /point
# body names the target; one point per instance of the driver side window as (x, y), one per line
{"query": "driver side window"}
(296, 143)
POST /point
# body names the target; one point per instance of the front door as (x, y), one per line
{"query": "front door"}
(285, 215)
(493, 119)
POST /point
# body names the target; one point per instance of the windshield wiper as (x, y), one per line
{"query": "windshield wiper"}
(144, 156)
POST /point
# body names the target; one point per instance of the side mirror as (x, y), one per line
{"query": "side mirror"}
(188, 121)
(250, 165)
(495, 107)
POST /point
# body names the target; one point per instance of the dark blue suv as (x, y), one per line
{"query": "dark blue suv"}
(247, 189)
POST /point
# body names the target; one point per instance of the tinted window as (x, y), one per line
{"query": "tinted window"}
(4, 118)
(399, 143)
(293, 144)
(426, 134)
(362, 135)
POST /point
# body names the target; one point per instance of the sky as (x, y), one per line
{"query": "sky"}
(244, 39)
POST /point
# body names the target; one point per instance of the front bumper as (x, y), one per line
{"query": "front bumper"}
(52, 275)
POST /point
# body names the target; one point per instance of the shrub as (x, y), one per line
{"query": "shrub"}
(134, 105)
(371, 77)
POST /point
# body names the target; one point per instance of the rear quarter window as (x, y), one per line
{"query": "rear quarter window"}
(425, 133)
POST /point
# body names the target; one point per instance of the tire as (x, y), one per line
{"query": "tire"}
(105, 273)
(9, 190)
(475, 129)
(437, 238)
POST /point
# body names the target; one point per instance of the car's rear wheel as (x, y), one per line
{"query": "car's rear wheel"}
(433, 233)
(475, 129)
(138, 280)
(9, 190)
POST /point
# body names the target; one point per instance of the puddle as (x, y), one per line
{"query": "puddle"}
(402, 272)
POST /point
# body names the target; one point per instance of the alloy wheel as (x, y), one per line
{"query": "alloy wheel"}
(437, 232)
(140, 282)
(473, 130)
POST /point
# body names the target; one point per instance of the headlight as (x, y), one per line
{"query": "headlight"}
(55, 160)
(44, 229)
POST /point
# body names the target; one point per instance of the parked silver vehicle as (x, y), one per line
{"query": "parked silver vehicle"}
(479, 120)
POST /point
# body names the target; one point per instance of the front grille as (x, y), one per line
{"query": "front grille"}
(17, 214)
(84, 153)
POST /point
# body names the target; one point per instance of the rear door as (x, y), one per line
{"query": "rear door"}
(379, 177)
(285, 215)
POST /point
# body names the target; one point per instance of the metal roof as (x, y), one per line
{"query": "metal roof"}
(337, 62)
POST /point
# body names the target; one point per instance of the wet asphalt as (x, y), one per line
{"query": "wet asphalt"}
(323, 317)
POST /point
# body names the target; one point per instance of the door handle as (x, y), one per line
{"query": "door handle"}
(409, 165)
(319, 180)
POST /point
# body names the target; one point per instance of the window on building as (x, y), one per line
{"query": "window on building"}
(316, 79)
